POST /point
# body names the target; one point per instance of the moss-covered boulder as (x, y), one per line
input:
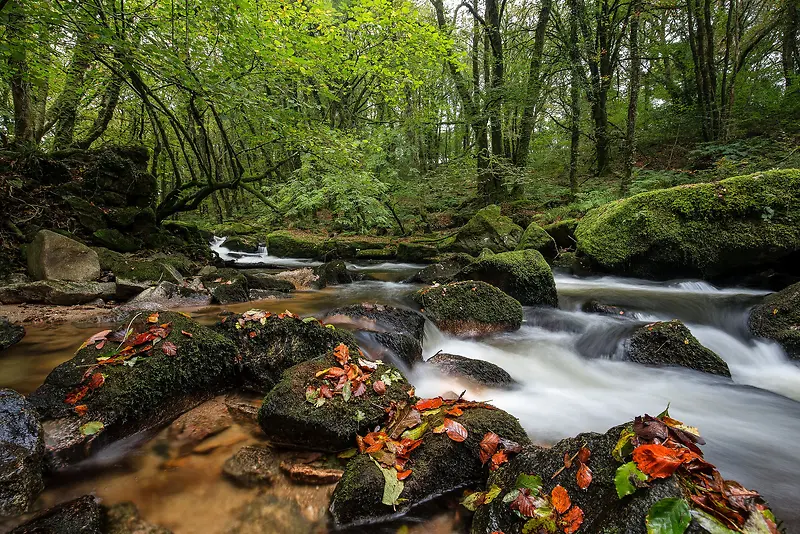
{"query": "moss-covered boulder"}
(470, 308)
(244, 244)
(295, 414)
(740, 225)
(10, 333)
(385, 332)
(167, 296)
(286, 244)
(334, 273)
(523, 274)
(232, 229)
(115, 240)
(125, 387)
(562, 232)
(487, 229)
(471, 369)
(671, 343)
(268, 344)
(438, 466)
(388, 253)
(416, 252)
(154, 269)
(536, 238)
(267, 282)
(21, 454)
(56, 292)
(227, 286)
(442, 271)
(778, 318)
(52, 256)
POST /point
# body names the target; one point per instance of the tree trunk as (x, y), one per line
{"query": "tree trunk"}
(633, 98)
(66, 106)
(575, 96)
(19, 76)
(789, 48)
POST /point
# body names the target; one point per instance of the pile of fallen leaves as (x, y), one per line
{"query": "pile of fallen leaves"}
(661, 447)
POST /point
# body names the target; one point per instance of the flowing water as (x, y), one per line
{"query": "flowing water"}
(571, 381)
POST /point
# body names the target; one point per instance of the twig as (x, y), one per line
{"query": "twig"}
(570, 462)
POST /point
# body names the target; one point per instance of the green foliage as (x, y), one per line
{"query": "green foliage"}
(668, 516)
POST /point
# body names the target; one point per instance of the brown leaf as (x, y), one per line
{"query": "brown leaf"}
(342, 354)
(402, 475)
(169, 348)
(488, 446)
(455, 411)
(498, 459)
(153, 318)
(96, 381)
(584, 454)
(572, 520)
(360, 389)
(429, 404)
(560, 499)
(584, 476)
(567, 460)
(187, 334)
(455, 430)
(81, 410)
(326, 392)
(649, 428)
(100, 345)
(379, 387)
(525, 503)
(76, 395)
(658, 461)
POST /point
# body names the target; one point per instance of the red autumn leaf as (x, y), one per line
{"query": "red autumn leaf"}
(169, 348)
(379, 387)
(187, 334)
(572, 520)
(560, 499)
(455, 430)
(402, 475)
(96, 381)
(360, 389)
(584, 476)
(100, 336)
(429, 404)
(334, 372)
(658, 461)
(584, 454)
(498, 459)
(407, 445)
(144, 337)
(252, 334)
(326, 392)
(160, 331)
(374, 447)
(525, 503)
(74, 396)
(567, 460)
(100, 345)
(81, 410)
(488, 446)
(342, 353)
(455, 411)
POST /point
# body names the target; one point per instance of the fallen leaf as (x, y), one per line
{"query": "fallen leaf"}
(567, 460)
(560, 499)
(96, 381)
(91, 428)
(379, 387)
(169, 348)
(488, 446)
(658, 461)
(76, 395)
(342, 353)
(498, 459)
(584, 454)
(153, 318)
(668, 516)
(572, 520)
(100, 345)
(525, 503)
(326, 392)
(628, 479)
(360, 389)
(584, 476)
(252, 334)
(429, 404)
(455, 411)
(392, 488)
(81, 410)
(455, 430)
(187, 334)
(402, 475)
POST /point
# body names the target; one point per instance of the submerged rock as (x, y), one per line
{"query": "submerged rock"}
(251, 466)
(21, 454)
(10, 333)
(522, 274)
(144, 390)
(124, 518)
(78, 516)
(268, 282)
(671, 343)
(736, 226)
(268, 514)
(470, 309)
(778, 318)
(477, 371)
(56, 292)
(439, 466)
(198, 424)
(53, 256)
(599, 308)
(536, 238)
(487, 229)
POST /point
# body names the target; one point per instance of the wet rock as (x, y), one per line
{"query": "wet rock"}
(563, 232)
(127, 289)
(477, 371)
(671, 343)
(334, 273)
(251, 466)
(153, 270)
(241, 244)
(53, 256)
(594, 306)
(167, 295)
(204, 421)
(287, 244)
(227, 286)
(439, 466)
(442, 272)
(522, 274)
(778, 318)
(10, 334)
(21, 454)
(142, 394)
(278, 344)
(299, 278)
(536, 238)
(396, 330)
(311, 474)
(124, 518)
(416, 252)
(470, 309)
(487, 229)
(57, 292)
(289, 420)
(266, 294)
(268, 282)
(243, 410)
(268, 514)
(376, 253)
(79, 516)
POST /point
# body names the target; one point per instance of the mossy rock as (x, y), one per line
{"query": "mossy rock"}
(10, 334)
(736, 226)
(671, 343)
(187, 232)
(572, 263)
(439, 466)
(523, 274)
(562, 232)
(21, 454)
(487, 229)
(289, 420)
(412, 252)
(470, 308)
(267, 282)
(376, 253)
(227, 286)
(335, 273)
(278, 344)
(778, 319)
(57, 292)
(232, 228)
(140, 270)
(443, 271)
(155, 389)
(124, 217)
(115, 240)
(245, 244)
(471, 369)
(88, 215)
(286, 244)
(536, 238)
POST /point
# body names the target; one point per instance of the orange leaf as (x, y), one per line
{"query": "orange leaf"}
(455, 430)
(488, 446)
(81, 410)
(74, 396)
(567, 460)
(584, 476)
(584, 454)
(342, 353)
(402, 475)
(252, 334)
(498, 459)
(429, 404)
(658, 461)
(96, 381)
(455, 411)
(572, 520)
(375, 447)
(153, 318)
(560, 499)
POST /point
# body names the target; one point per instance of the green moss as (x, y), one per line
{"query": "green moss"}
(487, 229)
(671, 343)
(562, 232)
(377, 253)
(232, 228)
(227, 286)
(778, 318)
(536, 238)
(122, 217)
(523, 274)
(291, 245)
(131, 268)
(416, 252)
(707, 230)
(116, 240)
(88, 215)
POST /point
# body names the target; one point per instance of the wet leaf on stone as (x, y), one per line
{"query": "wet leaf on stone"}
(488, 446)
(347, 391)
(379, 387)
(649, 428)
(91, 428)
(584, 476)
(498, 459)
(628, 479)
(560, 499)
(96, 381)
(478, 498)
(572, 520)
(415, 433)
(624, 445)
(532, 482)
(153, 318)
(81, 410)
(658, 461)
(360, 389)
(187, 334)
(429, 404)
(455, 430)
(342, 353)
(710, 523)
(402, 475)
(668, 516)
(584, 454)
(392, 488)
(169, 348)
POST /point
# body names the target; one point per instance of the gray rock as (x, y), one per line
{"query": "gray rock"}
(478, 371)
(127, 289)
(21, 454)
(57, 292)
(442, 272)
(268, 514)
(123, 518)
(778, 318)
(10, 334)
(268, 282)
(52, 256)
(207, 270)
(167, 295)
(79, 516)
(251, 466)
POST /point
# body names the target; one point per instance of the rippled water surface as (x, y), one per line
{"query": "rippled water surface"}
(571, 381)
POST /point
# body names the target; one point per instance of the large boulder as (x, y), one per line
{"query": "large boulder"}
(562, 232)
(384, 330)
(487, 229)
(536, 238)
(227, 286)
(523, 274)
(471, 369)
(334, 273)
(113, 239)
(117, 386)
(307, 411)
(10, 334)
(268, 344)
(53, 256)
(21, 454)
(153, 270)
(56, 292)
(165, 296)
(470, 309)
(736, 226)
(442, 271)
(268, 282)
(416, 252)
(778, 318)
(286, 244)
(671, 343)
(244, 244)
(439, 465)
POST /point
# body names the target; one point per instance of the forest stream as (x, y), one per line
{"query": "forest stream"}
(566, 362)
